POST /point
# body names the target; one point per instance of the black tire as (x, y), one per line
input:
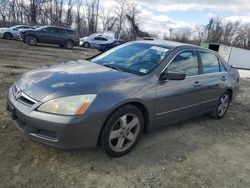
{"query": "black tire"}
(69, 44)
(218, 112)
(106, 143)
(7, 36)
(31, 40)
(86, 45)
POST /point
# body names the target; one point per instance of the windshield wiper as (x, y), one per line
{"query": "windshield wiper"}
(112, 67)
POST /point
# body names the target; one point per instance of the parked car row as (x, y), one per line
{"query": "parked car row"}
(64, 37)
(14, 31)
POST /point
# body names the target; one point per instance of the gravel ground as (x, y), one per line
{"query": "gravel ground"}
(201, 152)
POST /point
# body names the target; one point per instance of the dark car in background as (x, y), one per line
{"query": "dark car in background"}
(113, 98)
(109, 45)
(64, 37)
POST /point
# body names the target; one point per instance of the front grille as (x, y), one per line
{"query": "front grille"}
(22, 97)
(25, 101)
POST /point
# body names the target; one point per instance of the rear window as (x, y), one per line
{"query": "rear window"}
(210, 63)
(71, 32)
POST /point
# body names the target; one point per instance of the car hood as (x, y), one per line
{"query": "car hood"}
(71, 78)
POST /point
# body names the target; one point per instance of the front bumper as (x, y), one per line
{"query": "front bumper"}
(67, 132)
(81, 43)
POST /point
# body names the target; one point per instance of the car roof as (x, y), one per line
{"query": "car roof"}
(59, 27)
(166, 43)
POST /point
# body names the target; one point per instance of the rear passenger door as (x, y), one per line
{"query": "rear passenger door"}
(57, 36)
(213, 79)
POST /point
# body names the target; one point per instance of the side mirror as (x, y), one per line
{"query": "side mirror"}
(15, 29)
(44, 30)
(172, 75)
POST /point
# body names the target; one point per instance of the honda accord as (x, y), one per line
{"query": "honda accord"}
(111, 99)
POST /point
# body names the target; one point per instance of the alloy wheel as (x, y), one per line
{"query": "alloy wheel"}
(124, 132)
(31, 40)
(223, 105)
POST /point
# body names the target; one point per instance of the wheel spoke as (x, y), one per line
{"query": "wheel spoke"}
(123, 121)
(115, 134)
(131, 136)
(133, 123)
(119, 143)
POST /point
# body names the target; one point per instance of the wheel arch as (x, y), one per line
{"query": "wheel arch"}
(230, 91)
(142, 107)
(7, 32)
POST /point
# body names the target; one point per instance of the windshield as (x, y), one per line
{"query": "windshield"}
(137, 58)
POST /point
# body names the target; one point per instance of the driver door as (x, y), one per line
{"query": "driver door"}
(179, 99)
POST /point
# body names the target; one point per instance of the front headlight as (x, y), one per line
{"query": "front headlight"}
(73, 105)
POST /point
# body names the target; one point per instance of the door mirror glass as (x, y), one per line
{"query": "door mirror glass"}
(172, 75)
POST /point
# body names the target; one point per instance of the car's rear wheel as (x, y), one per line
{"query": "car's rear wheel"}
(86, 45)
(31, 40)
(222, 106)
(122, 131)
(7, 36)
(69, 45)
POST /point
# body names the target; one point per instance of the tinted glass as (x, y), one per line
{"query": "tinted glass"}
(71, 32)
(185, 61)
(135, 58)
(59, 31)
(210, 63)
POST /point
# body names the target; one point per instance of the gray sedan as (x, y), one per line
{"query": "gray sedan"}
(111, 99)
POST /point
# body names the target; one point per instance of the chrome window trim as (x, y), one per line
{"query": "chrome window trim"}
(191, 49)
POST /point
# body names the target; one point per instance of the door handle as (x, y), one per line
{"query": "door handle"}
(224, 78)
(197, 84)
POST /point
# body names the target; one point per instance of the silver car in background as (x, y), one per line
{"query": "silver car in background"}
(92, 40)
(110, 100)
(13, 32)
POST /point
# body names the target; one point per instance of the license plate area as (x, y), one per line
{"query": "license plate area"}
(10, 108)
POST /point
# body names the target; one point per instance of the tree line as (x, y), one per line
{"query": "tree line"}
(85, 16)
(218, 30)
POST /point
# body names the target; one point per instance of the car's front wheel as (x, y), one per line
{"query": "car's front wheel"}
(122, 131)
(222, 106)
(31, 40)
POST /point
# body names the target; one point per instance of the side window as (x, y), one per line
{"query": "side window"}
(97, 38)
(210, 63)
(186, 61)
(59, 31)
(103, 39)
(70, 32)
(50, 30)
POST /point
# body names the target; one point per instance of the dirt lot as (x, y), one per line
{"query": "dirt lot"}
(198, 153)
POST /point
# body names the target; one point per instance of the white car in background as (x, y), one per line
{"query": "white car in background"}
(13, 32)
(92, 40)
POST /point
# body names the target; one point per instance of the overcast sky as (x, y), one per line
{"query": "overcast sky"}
(160, 15)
